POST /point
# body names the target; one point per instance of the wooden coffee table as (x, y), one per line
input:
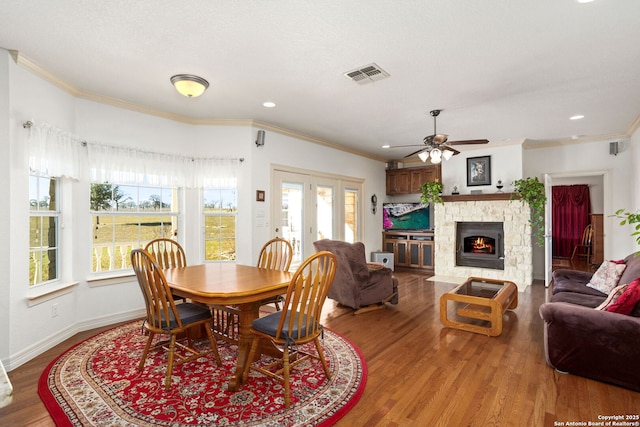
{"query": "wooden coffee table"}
(478, 305)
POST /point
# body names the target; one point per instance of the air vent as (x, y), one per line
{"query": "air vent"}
(367, 74)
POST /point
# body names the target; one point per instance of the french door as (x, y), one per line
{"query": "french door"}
(308, 207)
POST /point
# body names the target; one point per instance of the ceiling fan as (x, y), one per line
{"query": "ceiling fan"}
(436, 145)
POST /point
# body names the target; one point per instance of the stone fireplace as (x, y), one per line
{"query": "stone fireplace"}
(515, 255)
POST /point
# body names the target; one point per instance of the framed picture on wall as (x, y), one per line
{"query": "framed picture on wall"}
(478, 171)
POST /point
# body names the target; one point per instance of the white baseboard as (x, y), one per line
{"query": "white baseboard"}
(40, 347)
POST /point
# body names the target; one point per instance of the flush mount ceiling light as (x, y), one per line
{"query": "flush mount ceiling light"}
(189, 85)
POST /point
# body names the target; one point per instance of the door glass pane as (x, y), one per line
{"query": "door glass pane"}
(324, 203)
(350, 215)
(292, 211)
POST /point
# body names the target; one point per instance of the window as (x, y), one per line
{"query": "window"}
(220, 213)
(44, 216)
(125, 217)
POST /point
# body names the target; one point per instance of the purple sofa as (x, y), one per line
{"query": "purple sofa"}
(591, 343)
(358, 283)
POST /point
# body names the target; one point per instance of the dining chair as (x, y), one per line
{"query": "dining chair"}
(168, 254)
(276, 254)
(298, 322)
(165, 317)
(583, 249)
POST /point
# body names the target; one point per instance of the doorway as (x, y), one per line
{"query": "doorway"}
(597, 182)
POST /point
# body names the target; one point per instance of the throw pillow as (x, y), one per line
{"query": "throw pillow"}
(628, 300)
(613, 297)
(606, 277)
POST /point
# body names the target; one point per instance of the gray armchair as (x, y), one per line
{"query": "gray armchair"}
(358, 284)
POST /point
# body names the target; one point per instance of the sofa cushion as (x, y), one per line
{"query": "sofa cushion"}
(607, 276)
(633, 269)
(626, 303)
(565, 280)
(584, 300)
(613, 297)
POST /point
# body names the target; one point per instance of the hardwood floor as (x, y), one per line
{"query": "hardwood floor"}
(423, 374)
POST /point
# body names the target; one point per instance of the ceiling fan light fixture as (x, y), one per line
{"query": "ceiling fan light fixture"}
(447, 154)
(436, 156)
(189, 85)
(423, 155)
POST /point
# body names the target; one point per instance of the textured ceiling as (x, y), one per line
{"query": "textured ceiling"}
(505, 70)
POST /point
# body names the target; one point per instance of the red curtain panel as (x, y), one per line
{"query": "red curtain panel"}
(570, 215)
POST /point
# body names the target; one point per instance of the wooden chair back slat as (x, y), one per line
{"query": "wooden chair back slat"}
(276, 254)
(167, 253)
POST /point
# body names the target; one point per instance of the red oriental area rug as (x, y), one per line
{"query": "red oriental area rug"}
(97, 383)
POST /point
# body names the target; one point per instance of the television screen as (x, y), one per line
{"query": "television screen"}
(405, 216)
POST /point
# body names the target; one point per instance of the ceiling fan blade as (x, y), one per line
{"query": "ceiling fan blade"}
(414, 153)
(469, 141)
(410, 145)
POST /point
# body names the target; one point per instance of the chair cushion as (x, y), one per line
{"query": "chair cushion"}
(189, 313)
(269, 325)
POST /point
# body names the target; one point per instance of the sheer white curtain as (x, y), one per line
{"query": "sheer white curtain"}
(57, 153)
(130, 165)
(54, 152)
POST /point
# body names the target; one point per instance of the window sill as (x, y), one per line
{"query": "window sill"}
(49, 292)
(108, 279)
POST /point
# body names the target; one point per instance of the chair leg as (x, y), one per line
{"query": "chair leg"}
(145, 351)
(212, 343)
(287, 386)
(322, 359)
(172, 350)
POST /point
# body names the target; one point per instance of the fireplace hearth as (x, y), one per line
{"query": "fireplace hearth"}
(480, 244)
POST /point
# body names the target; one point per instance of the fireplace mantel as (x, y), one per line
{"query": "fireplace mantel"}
(481, 197)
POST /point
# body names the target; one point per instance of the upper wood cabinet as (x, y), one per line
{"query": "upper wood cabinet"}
(409, 180)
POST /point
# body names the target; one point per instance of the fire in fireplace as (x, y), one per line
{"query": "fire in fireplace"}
(480, 244)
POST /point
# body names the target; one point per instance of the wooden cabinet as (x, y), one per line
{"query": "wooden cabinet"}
(410, 249)
(409, 180)
(398, 181)
(597, 241)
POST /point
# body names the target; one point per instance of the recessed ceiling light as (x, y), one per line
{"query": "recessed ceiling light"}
(386, 146)
(576, 117)
(585, 1)
(269, 104)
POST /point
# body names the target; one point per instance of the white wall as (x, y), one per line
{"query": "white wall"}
(5, 212)
(29, 330)
(506, 165)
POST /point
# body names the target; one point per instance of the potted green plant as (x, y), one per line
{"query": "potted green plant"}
(431, 191)
(532, 191)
